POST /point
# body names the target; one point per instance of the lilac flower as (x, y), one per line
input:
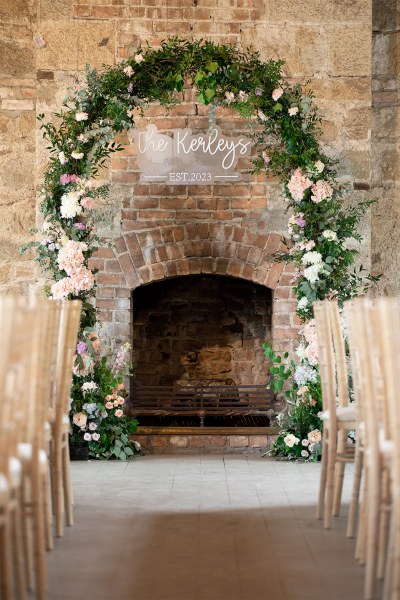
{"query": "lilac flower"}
(87, 437)
(300, 222)
(80, 226)
(130, 88)
(81, 348)
(258, 92)
(92, 426)
(95, 437)
(52, 246)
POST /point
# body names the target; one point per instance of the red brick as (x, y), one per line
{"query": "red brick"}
(158, 440)
(198, 441)
(104, 253)
(112, 266)
(110, 304)
(218, 440)
(258, 441)
(110, 279)
(129, 270)
(238, 441)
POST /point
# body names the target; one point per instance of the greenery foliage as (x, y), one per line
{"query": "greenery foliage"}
(286, 129)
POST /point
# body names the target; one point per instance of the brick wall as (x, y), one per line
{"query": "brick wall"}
(161, 233)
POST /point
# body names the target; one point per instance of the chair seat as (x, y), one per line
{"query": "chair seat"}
(25, 454)
(344, 414)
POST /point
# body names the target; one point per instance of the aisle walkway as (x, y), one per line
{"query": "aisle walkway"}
(201, 528)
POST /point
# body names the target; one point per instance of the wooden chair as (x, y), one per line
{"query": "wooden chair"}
(338, 415)
(368, 356)
(386, 321)
(59, 449)
(13, 331)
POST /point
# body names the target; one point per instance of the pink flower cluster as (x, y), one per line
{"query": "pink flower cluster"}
(70, 259)
(113, 401)
(298, 184)
(320, 191)
(64, 179)
(310, 335)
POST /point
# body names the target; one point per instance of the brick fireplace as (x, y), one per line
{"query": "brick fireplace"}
(169, 239)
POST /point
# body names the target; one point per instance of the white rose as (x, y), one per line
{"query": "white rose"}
(314, 436)
(319, 165)
(305, 443)
(128, 71)
(230, 96)
(305, 454)
(291, 440)
(330, 235)
(62, 158)
(77, 155)
(139, 58)
(81, 116)
(79, 419)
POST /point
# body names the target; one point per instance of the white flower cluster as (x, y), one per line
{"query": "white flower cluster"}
(70, 206)
(304, 374)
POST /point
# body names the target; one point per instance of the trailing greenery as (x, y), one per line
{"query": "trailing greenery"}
(286, 130)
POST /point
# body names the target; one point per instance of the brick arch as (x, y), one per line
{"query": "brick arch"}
(140, 258)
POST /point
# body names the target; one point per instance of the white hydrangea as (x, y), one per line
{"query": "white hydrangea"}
(311, 258)
(305, 373)
(302, 303)
(70, 206)
(312, 273)
(330, 235)
(301, 351)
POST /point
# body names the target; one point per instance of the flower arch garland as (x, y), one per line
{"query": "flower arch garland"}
(287, 142)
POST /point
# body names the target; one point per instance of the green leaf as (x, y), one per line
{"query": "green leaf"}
(211, 67)
(209, 94)
(128, 451)
(278, 107)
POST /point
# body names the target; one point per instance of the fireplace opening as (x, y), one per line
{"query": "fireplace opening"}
(197, 352)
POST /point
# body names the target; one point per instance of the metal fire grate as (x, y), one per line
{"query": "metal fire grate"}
(202, 401)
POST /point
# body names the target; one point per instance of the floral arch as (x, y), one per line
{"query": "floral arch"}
(286, 135)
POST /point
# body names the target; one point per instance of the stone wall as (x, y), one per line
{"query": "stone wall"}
(325, 41)
(385, 145)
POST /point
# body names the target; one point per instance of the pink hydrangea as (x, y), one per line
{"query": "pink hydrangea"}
(82, 279)
(70, 257)
(62, 288)
(320, 191)
(87, 202)
(298, 184)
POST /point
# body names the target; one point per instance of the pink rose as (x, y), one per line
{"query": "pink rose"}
(109, 405)
(276, 94)
(119, 413)
(87, 202)
(120, 386)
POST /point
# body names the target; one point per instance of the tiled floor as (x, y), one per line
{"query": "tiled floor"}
(201, 528)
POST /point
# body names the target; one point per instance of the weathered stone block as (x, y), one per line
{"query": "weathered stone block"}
(238, 441)
(73, 45)
(349, 50)
(181, 441)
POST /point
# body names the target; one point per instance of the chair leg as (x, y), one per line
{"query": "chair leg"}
(362, 516)
(383, 525)
(18, 547)
(58, 491)
(5, 547)
(339, 473)
(68, 500)
(330, 482)
(48, 511)
(27, 531)
(39, 537)
(358, 467)
(322, 480)
(373, 512)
